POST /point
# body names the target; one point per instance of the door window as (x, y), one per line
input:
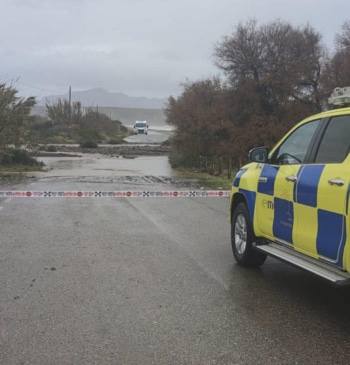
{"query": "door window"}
(335, 142)
(294, 148)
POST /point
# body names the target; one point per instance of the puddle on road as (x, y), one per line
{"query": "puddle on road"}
(100, 165)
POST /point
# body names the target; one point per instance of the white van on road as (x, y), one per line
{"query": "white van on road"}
(141, 127)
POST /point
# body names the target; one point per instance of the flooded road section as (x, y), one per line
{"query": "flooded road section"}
(129, 159)
(95, 169)
(100, 165)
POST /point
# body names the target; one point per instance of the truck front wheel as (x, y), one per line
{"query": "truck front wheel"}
(242, 238)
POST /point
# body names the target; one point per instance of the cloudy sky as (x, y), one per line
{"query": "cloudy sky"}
(138, 47)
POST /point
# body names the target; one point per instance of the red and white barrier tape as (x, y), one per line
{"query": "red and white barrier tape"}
(115, 194)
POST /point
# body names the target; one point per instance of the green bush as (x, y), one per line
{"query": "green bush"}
(51, 148)
(89, 144)
(166, 143)
(124, 129)
(16, 156)
(59, 139)
(178, 159)
(86, 134)
(118, 140)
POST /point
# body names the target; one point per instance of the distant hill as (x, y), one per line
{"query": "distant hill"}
(118, 106)
(102, 98)
(128, 116)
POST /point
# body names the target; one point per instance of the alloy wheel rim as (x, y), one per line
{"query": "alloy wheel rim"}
(240, 234)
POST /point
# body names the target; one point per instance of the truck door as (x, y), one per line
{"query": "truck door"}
(322, 196)
(275, 208)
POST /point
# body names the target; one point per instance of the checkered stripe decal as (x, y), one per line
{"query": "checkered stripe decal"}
(306, 213)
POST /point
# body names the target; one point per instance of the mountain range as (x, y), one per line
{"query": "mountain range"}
(102, 98)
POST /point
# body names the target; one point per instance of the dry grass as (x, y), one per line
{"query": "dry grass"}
(206, 180)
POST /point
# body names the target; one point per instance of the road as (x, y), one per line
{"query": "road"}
(151, 281)
(153, 136)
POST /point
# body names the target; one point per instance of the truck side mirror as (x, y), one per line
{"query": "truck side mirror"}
(259, 154)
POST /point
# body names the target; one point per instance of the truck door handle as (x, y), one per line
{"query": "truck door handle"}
(291, 178)
(336, 182)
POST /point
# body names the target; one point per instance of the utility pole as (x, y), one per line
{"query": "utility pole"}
(70, 107)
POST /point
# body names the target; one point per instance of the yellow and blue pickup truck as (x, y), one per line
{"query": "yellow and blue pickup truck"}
(293, 202)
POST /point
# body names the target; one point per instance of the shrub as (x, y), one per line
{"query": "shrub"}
(51, 148)
(178, 159)
(166, 143)
(16, 156)
(115, 141)
(124, 129)
(102, 136)
(89, 144)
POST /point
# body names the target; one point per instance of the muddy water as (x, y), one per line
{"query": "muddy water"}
(101, 165)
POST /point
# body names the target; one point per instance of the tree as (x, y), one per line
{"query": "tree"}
(337, 69)
(342, 39)
(14, 114)
(276, 75)
(284, 62)
(341, 60)
(200, 118)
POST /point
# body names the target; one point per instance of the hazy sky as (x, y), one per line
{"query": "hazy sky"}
(138, 47)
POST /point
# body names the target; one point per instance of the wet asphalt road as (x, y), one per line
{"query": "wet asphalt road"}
(151, 281)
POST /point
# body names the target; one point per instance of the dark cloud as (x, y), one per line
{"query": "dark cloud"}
(139, 47)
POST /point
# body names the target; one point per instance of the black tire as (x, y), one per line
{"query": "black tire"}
(242, 238)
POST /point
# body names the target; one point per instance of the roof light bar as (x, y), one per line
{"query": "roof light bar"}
(340, 96)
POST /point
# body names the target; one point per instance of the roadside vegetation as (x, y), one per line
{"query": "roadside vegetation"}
(72, 123)
(14, 118)
(22, 135)
(275, 75)
(205, 179)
